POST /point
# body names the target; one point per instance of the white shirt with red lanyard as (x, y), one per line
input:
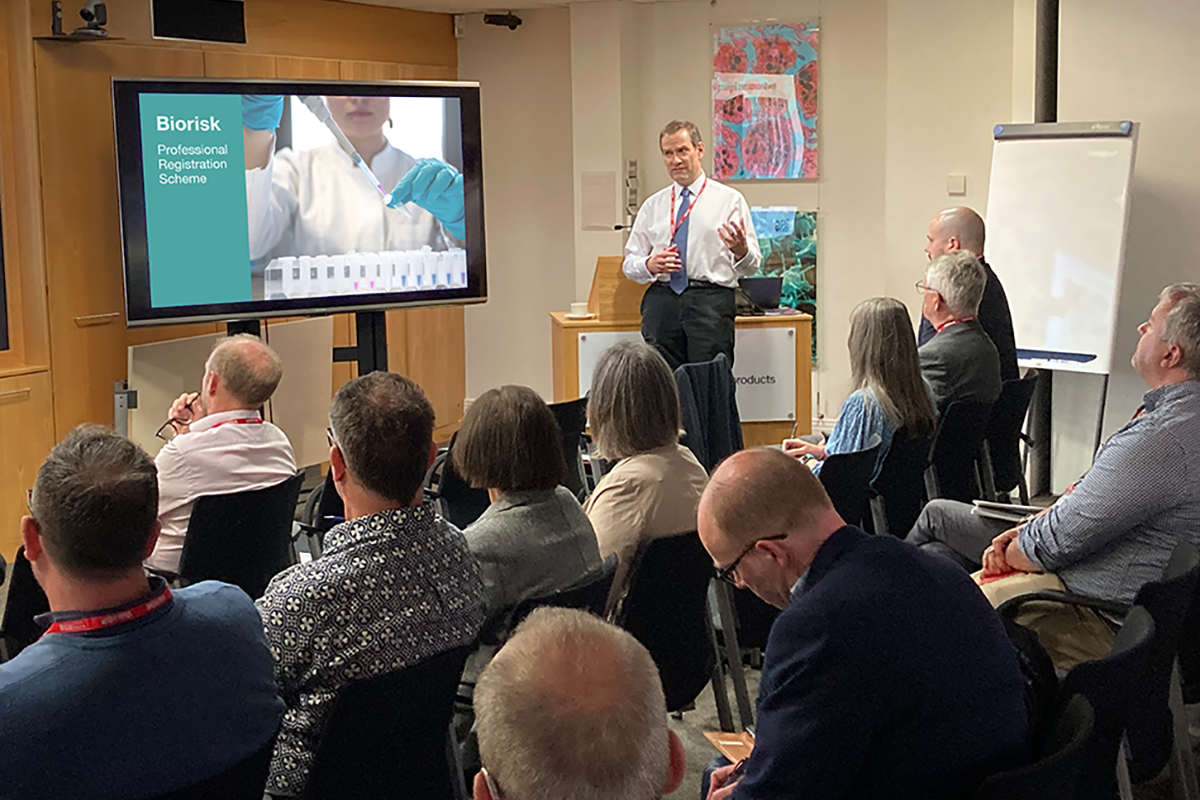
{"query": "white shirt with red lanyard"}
(713, 204)
(233, 451)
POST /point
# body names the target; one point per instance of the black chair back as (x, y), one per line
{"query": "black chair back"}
(386, 736)
(847, 479)
(243, 538)
(24, 600)
(899, 488)
(572, 421)
(1004, 430)
(1149, 730)
(958, 452)
(324, 508)
(1110, 685)
(1055, 773)
(708, 402)
(243, 781)
(666, 609)
(458, 503)
(1189, 651)
(591, 595)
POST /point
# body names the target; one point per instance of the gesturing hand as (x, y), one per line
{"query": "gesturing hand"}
(666, 260)
(733, 234)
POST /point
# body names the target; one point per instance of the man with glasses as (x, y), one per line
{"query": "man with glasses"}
(963, 229)
(217, 440)
(572, 707)
(395, 585)
(960, 362)
(887, 674)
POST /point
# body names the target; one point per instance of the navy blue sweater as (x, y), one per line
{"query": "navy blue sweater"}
(888, 675)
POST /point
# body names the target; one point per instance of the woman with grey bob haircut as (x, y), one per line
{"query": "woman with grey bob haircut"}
(654, 489)
(889, 392)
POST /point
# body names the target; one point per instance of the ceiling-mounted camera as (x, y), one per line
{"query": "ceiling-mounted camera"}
(509, 20)
(95, 14)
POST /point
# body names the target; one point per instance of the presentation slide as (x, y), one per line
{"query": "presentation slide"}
(259, 198)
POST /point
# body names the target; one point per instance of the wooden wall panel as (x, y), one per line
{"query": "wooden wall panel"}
(81, 218)
(28, 427)
(312, 28)
(29, 348)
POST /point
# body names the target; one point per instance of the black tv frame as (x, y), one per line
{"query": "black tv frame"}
(135, 251)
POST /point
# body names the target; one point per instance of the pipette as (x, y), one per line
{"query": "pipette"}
(316, 104)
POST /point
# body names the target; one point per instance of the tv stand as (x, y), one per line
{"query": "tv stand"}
(371, 350)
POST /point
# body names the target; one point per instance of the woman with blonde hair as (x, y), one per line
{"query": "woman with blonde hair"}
(889, 391)
(654, 489)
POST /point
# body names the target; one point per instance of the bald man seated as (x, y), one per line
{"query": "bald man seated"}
(218, 442)
(963, 229)
(887, 674)
(572, 707)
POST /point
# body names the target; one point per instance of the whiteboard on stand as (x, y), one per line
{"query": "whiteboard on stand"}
(1058, 208)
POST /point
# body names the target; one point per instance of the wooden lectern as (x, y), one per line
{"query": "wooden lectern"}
(615, 305)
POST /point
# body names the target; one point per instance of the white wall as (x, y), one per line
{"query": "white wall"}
(909, 92)
(525, 87)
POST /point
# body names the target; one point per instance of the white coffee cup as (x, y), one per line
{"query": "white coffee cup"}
(579, 309)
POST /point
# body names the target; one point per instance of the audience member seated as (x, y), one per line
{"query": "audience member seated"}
(220, 443)
(889, 392)
(653, 490)
(572, 707)
(886, 674)
(963, 229)
(134, 690)
(960, 361)
(534, 539)
(395, 585)
(1114, 530)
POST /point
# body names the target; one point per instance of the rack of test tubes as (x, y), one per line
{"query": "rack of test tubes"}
(365, 273)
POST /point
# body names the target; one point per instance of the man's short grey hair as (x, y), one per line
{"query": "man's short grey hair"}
(572, 707)
(677, 125)
(634, 403)
(1182, 326)
(95, 503)
(959, 278)
(248, 368)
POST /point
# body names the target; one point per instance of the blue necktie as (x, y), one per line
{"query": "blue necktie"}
(679, 278)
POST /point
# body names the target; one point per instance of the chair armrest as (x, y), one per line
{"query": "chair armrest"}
(1010, 607)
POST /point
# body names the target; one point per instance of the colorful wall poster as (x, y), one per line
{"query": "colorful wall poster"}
(765, 102)
(788, 241)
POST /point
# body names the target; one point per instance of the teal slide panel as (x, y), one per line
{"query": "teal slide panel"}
(196, 221)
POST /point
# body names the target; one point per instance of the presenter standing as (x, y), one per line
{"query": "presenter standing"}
(690, 242)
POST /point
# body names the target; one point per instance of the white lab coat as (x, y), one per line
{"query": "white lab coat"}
(316, 202)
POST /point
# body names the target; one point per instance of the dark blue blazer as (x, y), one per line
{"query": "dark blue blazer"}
(888, 676)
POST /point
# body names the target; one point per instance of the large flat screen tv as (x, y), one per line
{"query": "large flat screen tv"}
(252, 199)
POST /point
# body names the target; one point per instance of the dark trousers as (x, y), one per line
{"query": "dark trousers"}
(690, 327)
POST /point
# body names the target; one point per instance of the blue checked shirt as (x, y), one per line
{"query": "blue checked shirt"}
(391, 590)
(1116, 530)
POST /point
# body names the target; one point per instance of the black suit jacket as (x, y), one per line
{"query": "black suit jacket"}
(997, 322)
(962, 365)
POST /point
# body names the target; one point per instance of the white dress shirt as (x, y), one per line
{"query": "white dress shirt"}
(219, 455)
(708, 259)
(316, 202)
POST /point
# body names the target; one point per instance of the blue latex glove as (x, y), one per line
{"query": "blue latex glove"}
(262, 112)
(436, 187)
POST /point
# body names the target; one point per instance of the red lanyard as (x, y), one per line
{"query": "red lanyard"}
(238, 421)
(109, 620)
(945, 325)
(676, 224)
